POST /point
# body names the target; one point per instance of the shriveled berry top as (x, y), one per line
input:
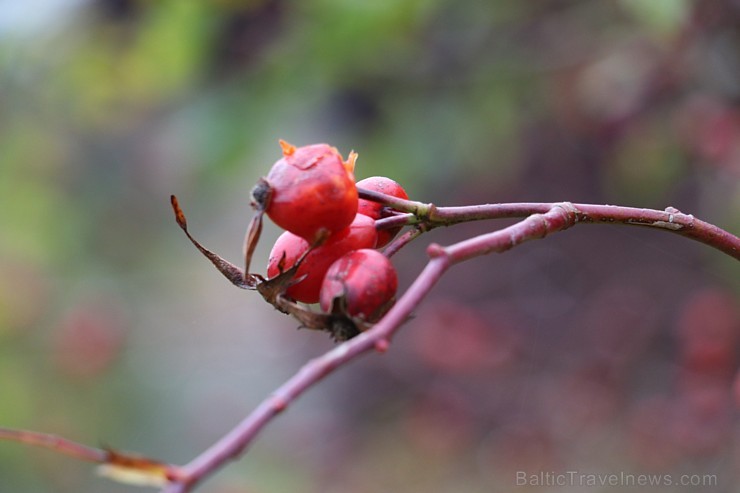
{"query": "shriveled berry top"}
(310, 191)
(306, 157)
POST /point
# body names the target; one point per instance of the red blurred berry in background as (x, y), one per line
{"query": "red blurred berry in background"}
(88, 340)
(289, 247)
(377, 211)
(310, 191)
(364, 282)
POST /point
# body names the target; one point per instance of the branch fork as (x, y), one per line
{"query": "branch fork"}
(540, 220)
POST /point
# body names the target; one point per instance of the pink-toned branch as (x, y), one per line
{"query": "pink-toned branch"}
(403, 240)
(544, 219)
(55, 443)
(233, 444)
(671, 219)
(541, 219)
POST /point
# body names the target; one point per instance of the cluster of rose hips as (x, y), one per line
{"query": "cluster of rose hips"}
(330, 234)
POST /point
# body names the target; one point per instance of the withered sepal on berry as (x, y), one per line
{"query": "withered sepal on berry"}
(339, 326)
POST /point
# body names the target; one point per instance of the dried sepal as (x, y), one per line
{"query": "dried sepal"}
(261, 195)
(340, 326)
(338, 304)
(251, 239)
(287, 148)
(230, 271)
(270, 289)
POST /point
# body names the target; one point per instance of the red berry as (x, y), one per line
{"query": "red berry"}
(360, 234)
(310, 191)
(377, 211)
(365, 281)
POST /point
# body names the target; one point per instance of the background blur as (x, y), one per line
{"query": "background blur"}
(599, 350)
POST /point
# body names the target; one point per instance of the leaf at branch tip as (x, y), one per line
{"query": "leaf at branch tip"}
(135, 470)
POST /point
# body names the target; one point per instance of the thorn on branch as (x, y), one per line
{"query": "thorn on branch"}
(382, 345)
(435, 250)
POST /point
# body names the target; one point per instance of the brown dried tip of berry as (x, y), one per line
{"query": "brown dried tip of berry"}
(261, 194)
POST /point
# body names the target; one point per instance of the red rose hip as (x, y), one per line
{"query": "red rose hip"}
(365, 283)
(310, 191)
(377, 211)
(289, 247)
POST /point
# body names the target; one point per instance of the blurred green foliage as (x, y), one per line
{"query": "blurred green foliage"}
(112, 329)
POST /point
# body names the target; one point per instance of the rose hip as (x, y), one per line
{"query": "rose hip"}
(377, 211)
(310, 191)
(364, 282)
(289, 247)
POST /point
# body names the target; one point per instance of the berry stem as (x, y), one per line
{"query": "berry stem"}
(403, 240)
(418, 209)
(399, 220)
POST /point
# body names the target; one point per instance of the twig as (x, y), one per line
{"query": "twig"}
(543, 219)
(232, 445)
(670, 219)
(123, 467)
(403, 240)
(55, 443)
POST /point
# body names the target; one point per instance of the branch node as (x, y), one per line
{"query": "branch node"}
(382, 345)
(435, 250)
(426, 212)
(279, 404)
